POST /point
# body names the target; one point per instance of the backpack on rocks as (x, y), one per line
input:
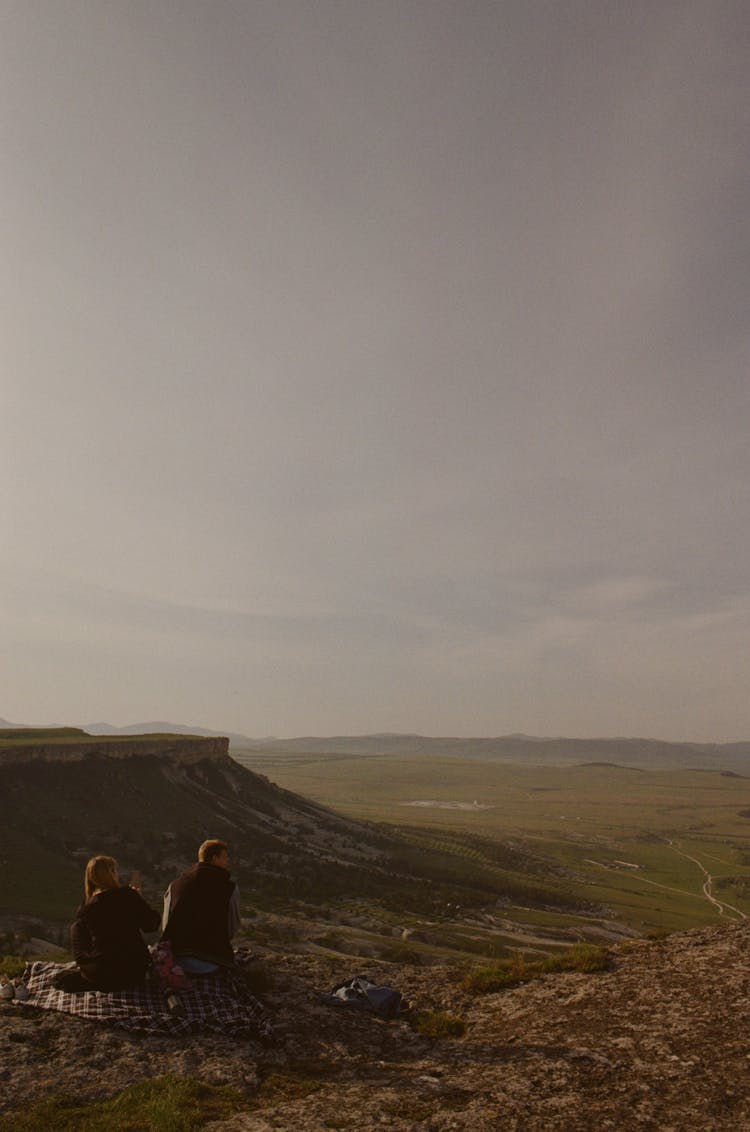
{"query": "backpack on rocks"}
(361, 993)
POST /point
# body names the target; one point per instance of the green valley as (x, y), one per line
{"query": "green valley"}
(650, 847)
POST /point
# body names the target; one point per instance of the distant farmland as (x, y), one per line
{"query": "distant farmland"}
(662, 850)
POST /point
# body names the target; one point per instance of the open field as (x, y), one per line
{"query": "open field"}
(659, 850)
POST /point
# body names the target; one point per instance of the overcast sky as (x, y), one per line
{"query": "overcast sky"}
(376, 365)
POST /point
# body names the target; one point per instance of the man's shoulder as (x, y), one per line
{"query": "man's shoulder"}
(213, 873)
(188, 874)
(203, 874)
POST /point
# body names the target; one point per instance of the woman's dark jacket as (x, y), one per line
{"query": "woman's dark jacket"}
(198, 918)
(107, 942)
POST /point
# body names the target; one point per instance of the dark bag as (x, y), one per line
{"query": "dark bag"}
(362, 994)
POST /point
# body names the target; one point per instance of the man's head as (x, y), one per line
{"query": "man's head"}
(214, 852)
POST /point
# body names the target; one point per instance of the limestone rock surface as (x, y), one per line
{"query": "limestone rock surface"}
(661, 1041)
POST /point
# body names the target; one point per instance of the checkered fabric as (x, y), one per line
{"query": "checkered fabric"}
(219, 1003)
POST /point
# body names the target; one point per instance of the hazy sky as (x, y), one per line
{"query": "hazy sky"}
(376, 365)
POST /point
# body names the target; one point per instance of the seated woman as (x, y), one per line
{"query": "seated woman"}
(108, 947)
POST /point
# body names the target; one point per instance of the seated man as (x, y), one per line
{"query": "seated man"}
(202, 912)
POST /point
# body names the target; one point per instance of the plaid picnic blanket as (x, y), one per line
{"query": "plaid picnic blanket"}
(220, 1003)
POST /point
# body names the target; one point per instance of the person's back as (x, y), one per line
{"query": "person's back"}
(106, 935)
(108, 947)
(201, 910)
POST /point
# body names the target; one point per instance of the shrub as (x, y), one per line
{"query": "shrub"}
(504, 973)
(438, 1024)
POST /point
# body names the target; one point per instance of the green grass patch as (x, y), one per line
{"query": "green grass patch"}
(438, 1024)
(164, 1104)
(59, 736)
(12, 966)
(511, 972)
(41, 734)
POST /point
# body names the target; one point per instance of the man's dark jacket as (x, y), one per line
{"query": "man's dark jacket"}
(198, 922)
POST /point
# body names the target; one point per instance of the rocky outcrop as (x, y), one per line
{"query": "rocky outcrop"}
(658, 1042)
(150, 804)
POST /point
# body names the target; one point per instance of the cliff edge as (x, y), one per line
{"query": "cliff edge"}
(46, 746)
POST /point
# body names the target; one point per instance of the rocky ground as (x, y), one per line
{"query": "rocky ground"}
(660, 1041)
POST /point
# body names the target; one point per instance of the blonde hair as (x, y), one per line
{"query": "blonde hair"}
(211, 849)
(100, 873)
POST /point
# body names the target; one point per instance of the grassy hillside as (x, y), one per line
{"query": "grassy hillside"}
(41, 734)
(458, 856)
(152, 812)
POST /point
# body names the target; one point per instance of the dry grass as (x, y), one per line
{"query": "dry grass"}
(438, 1024)
(511, 972)
(164, 1104)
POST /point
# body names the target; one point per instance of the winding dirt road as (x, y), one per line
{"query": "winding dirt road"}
(721, 906)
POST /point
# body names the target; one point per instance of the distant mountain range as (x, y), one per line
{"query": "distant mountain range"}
(647, 753)
(651, 754)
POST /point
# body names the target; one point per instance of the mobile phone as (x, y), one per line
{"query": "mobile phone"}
(135, 879)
